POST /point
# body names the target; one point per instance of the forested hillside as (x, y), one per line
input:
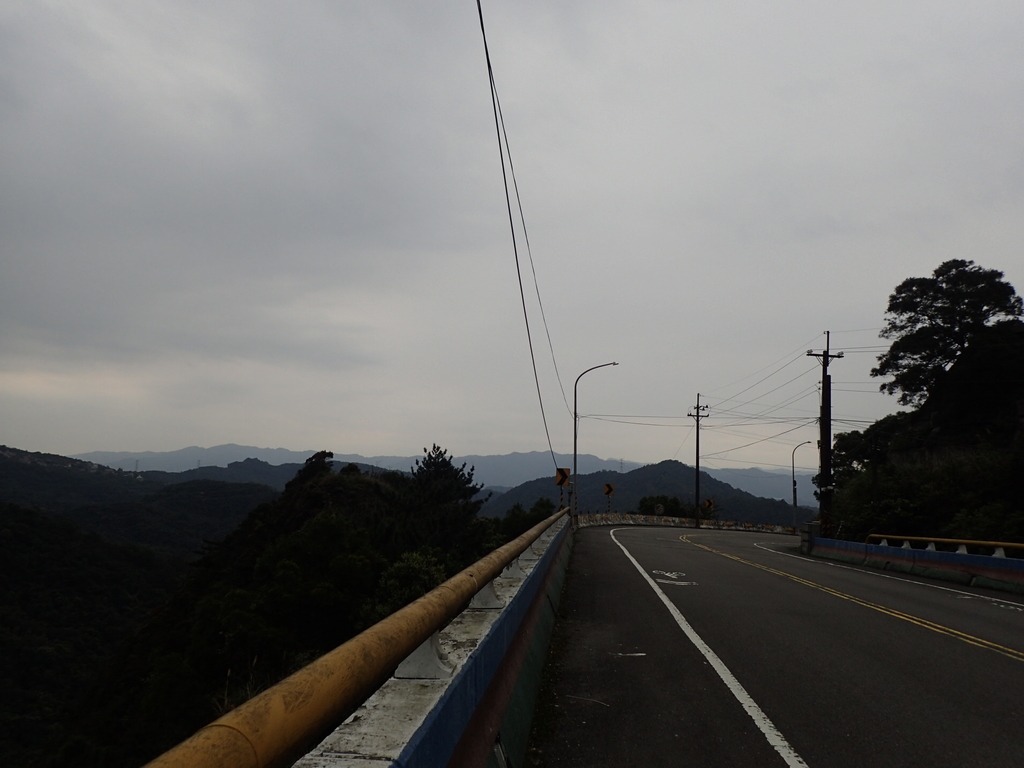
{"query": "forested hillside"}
(334, 553)
(68, 600)
(176, 513)
(57, 484)
(178, 518)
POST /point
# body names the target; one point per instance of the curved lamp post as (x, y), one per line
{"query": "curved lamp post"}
(575, 434)
(793, 463)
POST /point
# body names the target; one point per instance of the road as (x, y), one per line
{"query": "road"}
(684, 647)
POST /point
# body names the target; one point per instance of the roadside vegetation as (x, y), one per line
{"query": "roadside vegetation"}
(113, 653)
(951, 465)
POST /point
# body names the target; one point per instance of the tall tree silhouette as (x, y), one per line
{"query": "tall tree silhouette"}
(931, 320)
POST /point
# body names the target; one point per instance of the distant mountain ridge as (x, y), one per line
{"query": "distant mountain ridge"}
(498, 472)
(770, 485)
(506, 470)
(669, 478)
(193, 457)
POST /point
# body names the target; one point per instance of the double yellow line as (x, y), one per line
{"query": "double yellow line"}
(940, 628)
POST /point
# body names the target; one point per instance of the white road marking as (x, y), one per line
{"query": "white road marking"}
(872, 572)
(771, 733)
(669, 574)
(677, 583)
(583, 698)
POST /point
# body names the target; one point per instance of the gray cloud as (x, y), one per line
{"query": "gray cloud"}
(286, 226)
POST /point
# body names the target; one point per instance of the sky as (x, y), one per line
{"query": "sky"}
(285, 225)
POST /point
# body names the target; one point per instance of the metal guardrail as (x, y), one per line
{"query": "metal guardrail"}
(999, 547)
(278, 725)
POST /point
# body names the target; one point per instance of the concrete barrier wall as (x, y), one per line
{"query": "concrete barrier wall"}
(499, 731)
(1001, 573)
(630, 518)
(484, 705)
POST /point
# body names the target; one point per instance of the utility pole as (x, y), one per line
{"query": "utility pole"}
(698, 413)
(825, 487)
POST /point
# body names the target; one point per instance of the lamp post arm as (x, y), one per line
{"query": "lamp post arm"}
(576, 430)
(793, 467)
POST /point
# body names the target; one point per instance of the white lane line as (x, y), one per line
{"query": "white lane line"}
(771, 733)
(872, 572)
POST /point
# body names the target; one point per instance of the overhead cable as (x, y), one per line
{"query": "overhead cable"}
(762, 440)
(503, 151)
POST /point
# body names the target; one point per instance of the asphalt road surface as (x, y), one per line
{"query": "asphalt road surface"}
(680, 647)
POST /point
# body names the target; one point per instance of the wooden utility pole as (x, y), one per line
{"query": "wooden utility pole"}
(825, 487)
(699, 412)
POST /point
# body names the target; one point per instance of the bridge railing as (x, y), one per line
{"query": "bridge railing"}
(993, 569)
(963, 546)
(282, 723)
(586, 520)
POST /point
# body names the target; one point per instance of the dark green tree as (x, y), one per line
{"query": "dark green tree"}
(439, 480)
(412, 575)
(951, 467)
(518, 520)
(931, 320)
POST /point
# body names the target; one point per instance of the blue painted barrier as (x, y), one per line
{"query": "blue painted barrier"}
(1001, 573)
(486, 706)
(435, 741)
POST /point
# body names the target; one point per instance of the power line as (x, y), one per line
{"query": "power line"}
(742, 391)
(762, 464)
(503, 151)
(745, 434)
(630, 416)
(771, 409)
(755, 442)
(536, 283)
(687, 437)
(634, 423)
(857, 330)
(750, 375)
(770, 391)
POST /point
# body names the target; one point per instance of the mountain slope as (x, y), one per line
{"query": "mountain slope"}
(770, 485)
(669, 478)
(173, 512)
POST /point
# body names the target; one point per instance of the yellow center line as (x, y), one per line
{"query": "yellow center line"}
(940, 628)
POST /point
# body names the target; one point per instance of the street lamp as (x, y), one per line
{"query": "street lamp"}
(575, 436)
(793, 462)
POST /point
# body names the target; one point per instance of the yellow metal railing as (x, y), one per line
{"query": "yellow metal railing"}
(996, 545)
(283, 722)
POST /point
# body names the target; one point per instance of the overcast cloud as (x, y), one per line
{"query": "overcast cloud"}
(284, 224)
